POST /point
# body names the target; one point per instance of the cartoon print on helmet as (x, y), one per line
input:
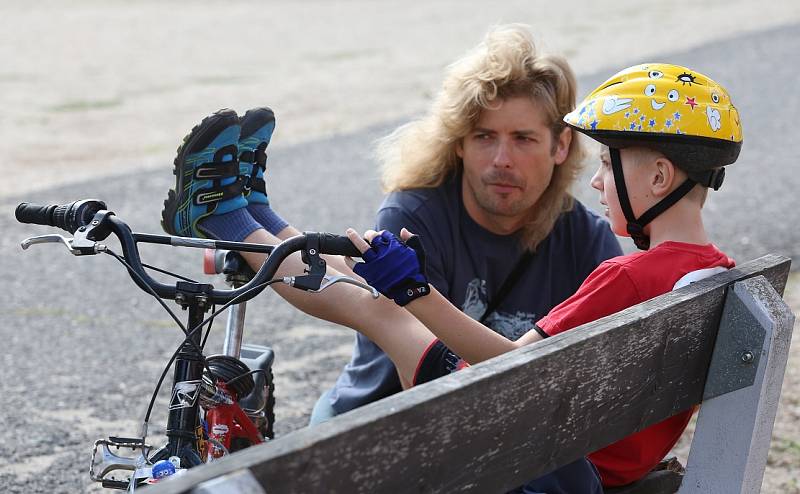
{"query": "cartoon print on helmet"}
(613, 105)
(686, 78)
(650, 90)
(713, 118)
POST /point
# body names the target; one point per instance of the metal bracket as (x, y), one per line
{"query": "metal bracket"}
(737, 350)
(733, 432)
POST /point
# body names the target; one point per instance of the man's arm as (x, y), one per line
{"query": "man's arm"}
(394, 219)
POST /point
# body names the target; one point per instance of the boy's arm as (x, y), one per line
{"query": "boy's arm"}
(468, 338)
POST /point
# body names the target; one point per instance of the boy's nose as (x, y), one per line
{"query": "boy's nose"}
(597, 181)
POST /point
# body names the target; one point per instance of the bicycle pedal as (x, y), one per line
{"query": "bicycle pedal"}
(126, 442)
(106, 462)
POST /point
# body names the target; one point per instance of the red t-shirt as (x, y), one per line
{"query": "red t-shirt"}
(615, 285)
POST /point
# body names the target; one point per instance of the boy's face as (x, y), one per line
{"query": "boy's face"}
(509, 158)
(637, 180)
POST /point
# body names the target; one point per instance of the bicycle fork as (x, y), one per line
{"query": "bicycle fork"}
(253, 416)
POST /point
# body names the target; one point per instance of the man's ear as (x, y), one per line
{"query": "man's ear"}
(460, 148)
(665, 177)
(562, 146)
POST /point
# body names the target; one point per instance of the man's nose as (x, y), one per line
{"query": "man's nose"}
(502, 155)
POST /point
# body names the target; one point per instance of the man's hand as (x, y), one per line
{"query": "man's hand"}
(395, 268)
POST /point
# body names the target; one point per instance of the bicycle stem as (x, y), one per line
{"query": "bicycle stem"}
(182, 422)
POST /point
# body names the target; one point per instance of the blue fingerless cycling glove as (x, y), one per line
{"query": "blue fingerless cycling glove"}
(394, 268)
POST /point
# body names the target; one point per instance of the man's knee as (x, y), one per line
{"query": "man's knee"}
(323, 410)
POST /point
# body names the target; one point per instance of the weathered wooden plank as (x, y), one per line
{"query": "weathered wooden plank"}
(499, 423)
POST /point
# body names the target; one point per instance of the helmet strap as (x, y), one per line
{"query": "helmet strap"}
(635, 226)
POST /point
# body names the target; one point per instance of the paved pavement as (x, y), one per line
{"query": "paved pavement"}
(84, 347)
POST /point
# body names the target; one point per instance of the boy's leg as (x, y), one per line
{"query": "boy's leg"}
(395, 330)
(579, 476)
(258, 124)
(207, 200)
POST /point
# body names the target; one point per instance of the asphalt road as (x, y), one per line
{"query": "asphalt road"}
(84, 347)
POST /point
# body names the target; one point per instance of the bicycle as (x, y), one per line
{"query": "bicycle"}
(220, 403)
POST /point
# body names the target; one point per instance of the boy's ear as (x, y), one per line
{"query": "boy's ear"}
(665, 176)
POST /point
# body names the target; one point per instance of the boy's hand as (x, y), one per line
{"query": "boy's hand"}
(395, 268)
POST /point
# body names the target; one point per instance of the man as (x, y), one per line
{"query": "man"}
(483, 178)
(486, 187)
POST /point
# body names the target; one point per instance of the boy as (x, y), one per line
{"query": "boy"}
(667, 133)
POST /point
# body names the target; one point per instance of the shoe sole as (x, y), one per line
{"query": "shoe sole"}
(254, 119)
(200, 137)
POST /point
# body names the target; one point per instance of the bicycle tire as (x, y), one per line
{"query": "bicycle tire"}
(266, 428)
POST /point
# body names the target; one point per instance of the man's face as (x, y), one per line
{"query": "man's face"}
(509, 158)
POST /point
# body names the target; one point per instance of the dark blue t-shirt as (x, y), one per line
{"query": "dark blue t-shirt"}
(468, 264)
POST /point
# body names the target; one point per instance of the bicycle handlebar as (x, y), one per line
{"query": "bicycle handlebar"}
(68, 217)
(90, 222)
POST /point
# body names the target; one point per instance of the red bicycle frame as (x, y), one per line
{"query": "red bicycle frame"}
(227, 421)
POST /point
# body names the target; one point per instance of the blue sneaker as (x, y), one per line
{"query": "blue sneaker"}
(257, 127)
(207, 176)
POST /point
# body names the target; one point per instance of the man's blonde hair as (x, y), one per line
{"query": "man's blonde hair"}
(422, 154)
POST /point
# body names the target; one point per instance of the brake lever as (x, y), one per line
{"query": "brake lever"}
(78, 246)
(327, 281)
(330, 280)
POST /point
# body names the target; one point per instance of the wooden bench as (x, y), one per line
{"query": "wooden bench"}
(722, 342)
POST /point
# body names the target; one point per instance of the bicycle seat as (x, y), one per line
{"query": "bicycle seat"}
(229, 263)
(235, 265)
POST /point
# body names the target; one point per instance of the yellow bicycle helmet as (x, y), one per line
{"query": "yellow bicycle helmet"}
(681, 113)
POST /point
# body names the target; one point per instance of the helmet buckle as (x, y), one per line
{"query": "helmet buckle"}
(636, 232)
(716, 177)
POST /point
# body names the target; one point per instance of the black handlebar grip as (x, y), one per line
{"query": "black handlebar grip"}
(339, 245)
(68, 217)
(35, 214)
